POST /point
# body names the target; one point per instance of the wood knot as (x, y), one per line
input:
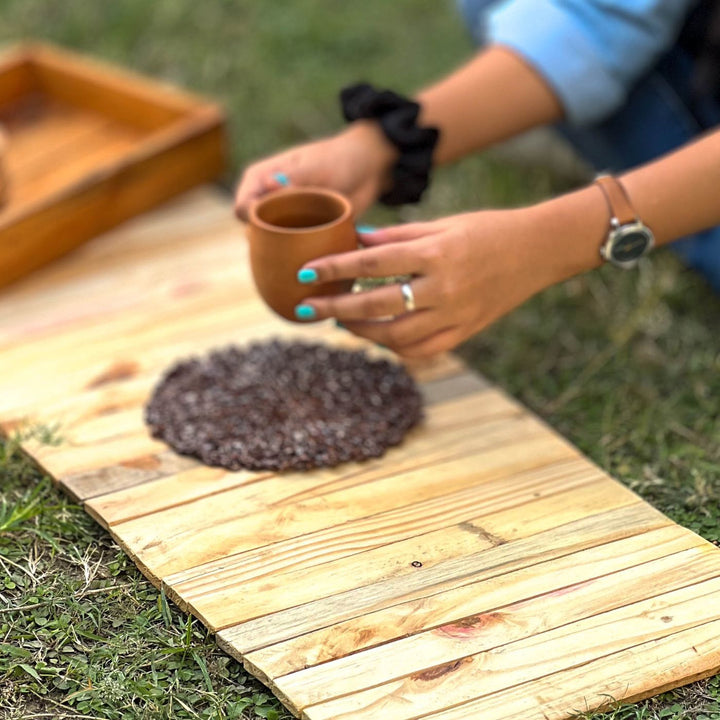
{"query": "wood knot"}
(471, 626)
(434, 673)
(122, 370)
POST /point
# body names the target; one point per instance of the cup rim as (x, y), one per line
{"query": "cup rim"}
(255, 220)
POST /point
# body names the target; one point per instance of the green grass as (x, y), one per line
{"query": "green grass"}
(626, 365)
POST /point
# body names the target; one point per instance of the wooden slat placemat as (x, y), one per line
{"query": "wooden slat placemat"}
(483, 569)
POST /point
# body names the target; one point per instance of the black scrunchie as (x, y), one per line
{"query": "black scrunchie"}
(397, 117)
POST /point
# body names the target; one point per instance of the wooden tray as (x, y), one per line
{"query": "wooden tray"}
(88, 146)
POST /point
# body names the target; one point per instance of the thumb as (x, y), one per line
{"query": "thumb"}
(255, 183)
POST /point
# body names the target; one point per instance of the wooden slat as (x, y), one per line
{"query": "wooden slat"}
(661, 664)
(129, 473)
(574, 536)
(430, 538)
(475, 675)
(93, 429)
(482, 409)
(177, 539)
(482, 569)
(465, 599)
(488, 627)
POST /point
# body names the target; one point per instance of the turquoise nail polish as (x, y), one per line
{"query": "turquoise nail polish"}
(307, 275)
(340, 325)
(365, 229)
(282, 178)
(305, 312)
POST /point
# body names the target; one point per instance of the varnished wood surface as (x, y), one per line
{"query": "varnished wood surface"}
(88, 146)
(482, 569)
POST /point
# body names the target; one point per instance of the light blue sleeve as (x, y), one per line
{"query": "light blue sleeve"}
(591, 52)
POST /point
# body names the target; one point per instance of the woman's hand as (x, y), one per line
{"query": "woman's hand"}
(467, 271)
(355, 162)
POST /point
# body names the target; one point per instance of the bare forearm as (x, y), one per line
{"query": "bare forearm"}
(679, 194)
(492, 97)
(675, 196)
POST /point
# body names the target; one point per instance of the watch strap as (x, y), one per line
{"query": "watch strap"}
(621, 210)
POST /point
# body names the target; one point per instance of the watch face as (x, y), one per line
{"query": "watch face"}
(630, 244)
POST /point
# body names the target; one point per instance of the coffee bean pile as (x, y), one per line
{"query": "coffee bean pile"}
(283, 406)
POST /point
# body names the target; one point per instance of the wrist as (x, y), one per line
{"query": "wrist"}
(568, 233)
(377, 150)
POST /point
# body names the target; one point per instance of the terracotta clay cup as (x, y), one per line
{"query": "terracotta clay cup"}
(289, 227)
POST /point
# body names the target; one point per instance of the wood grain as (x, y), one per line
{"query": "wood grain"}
(179, 538)
(445, 604)
(474, 675)
(489, 628)
(572, 537)
(597, 684)
(482, 569)
(90, 146)
(487, 408)
(397, 539)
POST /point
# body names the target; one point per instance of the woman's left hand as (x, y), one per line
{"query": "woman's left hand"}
(467, 271)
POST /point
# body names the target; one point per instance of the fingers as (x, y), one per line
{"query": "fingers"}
(384, 260)
(433, 344)
(383, 302)
(417, 334)
(257, 180)
(399, 233)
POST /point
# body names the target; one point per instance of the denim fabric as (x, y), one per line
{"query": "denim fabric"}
(658, 116)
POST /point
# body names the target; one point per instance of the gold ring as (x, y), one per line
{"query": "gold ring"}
(408, 297)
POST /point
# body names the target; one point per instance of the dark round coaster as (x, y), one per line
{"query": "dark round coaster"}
(283, 406)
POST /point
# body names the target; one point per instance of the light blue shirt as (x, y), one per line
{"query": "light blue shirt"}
(591, 52)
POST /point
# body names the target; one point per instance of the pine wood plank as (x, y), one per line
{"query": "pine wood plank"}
(391, 525)
(111, 421)
(174, 539)
(475, 675)
(514, 612)
(444, 389)
(159, 252)
(81, 459)
(181, 328)
(129, 473)
(479, 410)
(85, 485)
(488, 628)
(467, 598)
(168, 492)
(631, 675)
(423, 533)
(590, 531)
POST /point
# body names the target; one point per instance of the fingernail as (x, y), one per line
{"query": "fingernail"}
(282, 178)
(305, 312)
(365, 229)
(307, 275)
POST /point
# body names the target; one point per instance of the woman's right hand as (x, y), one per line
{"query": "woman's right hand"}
(355, 162)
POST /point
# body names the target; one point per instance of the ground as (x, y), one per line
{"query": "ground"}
(626, 365)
